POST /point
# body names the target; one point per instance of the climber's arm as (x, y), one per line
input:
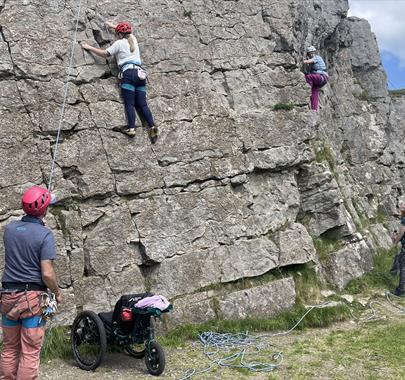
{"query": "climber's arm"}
(100, 52)
(309, 61)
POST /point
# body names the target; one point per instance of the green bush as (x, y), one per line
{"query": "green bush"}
(283, 106)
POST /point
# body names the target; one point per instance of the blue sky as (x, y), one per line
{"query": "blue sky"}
(387, 19)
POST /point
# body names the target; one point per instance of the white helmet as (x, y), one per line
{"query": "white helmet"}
(311, 49)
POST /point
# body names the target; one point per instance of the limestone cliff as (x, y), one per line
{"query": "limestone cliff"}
(235, 187)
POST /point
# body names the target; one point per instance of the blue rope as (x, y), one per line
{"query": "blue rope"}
(232, 350)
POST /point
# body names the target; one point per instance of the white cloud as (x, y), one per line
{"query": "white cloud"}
(387, 19)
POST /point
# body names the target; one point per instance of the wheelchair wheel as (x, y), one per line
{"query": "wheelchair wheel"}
(89, 342)
(155, 358)
(136, 350)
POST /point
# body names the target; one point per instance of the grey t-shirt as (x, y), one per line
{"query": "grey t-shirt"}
(27, 242)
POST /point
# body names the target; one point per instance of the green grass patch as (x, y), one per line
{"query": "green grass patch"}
(379, 277)
(365, 97)
(307, 284)
(283, 106)
(56, 343)
(325, 153)
(397, 92)
(324, 246)
(282, 322)
(373, 351)
(188, 13)
(381, 216)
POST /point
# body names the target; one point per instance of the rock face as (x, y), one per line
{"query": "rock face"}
(235, 187)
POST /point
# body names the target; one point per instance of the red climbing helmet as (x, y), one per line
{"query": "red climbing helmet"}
(124, 28)
(36, 200)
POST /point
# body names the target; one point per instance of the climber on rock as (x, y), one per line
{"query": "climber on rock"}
(133, 86)
(316, 75)
(400, 237)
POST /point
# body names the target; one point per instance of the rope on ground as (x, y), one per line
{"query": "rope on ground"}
(66, 89)
(391, 297)
(232, 350)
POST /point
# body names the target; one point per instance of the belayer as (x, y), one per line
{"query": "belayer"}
(133, 85)
(28, 274)
(316, 75)
(400, 237)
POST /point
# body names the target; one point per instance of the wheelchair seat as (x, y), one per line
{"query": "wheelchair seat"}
(107, 317)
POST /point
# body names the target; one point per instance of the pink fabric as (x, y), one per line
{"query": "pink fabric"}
(21, 345)
(21, 351)
(159, 302)
(316, 81)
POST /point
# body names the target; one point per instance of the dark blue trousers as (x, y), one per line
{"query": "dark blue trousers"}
(133, 92)
(401, 259)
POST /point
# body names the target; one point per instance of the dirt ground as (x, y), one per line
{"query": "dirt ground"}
(310, 354)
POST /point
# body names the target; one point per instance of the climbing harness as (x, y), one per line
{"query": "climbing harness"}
(232, 350)
(62, 111)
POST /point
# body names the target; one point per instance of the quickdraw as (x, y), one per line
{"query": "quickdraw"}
(49, 305)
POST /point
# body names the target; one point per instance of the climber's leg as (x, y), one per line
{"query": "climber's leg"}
(142, 105)
(315, 98)
(316, 81)
(128, 95)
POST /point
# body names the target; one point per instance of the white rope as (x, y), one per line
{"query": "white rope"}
(62, 112)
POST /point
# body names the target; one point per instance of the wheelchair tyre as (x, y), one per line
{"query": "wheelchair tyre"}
(135, 352)
(89, 342)
(155, 358)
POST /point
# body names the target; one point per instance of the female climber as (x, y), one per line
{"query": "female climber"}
(133, 85)
(316, 76)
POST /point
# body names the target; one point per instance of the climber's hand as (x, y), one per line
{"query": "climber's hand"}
(85, 46)
(110, 24)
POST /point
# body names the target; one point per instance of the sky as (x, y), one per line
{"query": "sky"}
(387, 19)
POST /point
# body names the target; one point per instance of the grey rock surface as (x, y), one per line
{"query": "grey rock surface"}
(233, 188)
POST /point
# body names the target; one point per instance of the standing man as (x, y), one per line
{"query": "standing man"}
(400, 237)
(28, 272)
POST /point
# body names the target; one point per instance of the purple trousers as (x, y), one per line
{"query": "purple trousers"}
(316, 81)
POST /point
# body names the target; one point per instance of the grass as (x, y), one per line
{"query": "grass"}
(325, 153)
(373, 351)
(282, 322)
(283, 106)
(365, 96)
(379, 277)
(397, 92)
(56, 343)
(324, 246)
(188, 13)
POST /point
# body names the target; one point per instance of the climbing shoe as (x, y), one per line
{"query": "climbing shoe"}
(130, 132)
(153, 134)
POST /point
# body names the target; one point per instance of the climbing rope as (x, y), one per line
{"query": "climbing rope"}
(231, 350)
(66, 89)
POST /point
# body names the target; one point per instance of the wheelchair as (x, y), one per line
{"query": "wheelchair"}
(126, 327)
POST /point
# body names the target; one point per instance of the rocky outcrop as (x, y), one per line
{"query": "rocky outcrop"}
(243, 176)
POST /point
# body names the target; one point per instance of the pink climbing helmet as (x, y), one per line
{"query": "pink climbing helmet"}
(36, 200)
(124, 28)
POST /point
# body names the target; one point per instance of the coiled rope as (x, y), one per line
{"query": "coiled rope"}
(232, 350)
(65, 94)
